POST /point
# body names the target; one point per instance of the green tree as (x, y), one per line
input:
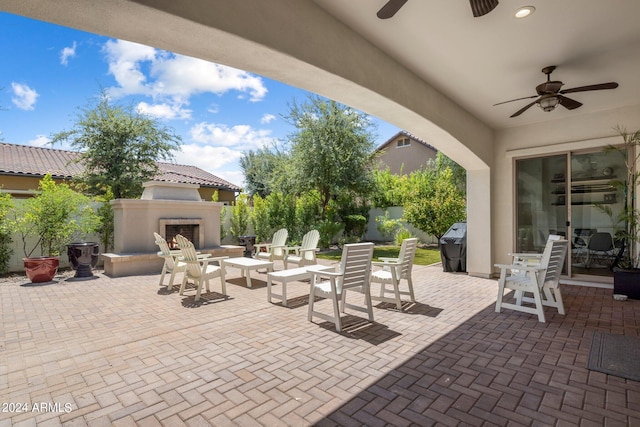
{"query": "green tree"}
(54, 216)
(435, 202)
(331, 149)
(118, 147)
(266, 170)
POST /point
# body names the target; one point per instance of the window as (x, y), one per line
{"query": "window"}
(404, 142)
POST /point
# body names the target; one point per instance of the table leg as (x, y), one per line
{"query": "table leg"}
(268, 288)
(248, 277)
(284, 292)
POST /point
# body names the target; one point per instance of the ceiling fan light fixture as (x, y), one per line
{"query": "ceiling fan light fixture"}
(548, 103)
(524, 11)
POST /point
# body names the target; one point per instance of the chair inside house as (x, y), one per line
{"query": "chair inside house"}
(276, 250)
(600, 250)
(353, 273)
(171, 263)
(200, 268)
(305, 254)
(541, 281)
(393, 271)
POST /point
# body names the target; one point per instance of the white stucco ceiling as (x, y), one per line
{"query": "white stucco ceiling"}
(478, 62)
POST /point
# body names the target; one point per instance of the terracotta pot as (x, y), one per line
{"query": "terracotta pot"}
(83, 257)
(41, 269)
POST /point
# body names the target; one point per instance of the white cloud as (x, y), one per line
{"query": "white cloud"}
(267, 118)
(207, 157)
(39, 141)
(24, 97)
(143, 70)
(164, 111)
(66, 53)
(244, 137)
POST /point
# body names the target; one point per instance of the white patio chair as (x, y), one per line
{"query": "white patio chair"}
(171, 263)
(198, 268)
(542, 281)
(353, 273)
(274, 250)
(305, 254)
(394, 270)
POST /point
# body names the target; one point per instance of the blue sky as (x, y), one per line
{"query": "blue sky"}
(49, 72)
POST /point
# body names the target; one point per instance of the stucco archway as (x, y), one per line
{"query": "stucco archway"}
(298, 43)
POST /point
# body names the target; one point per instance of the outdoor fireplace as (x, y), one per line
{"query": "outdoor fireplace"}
(192, 229)
(166, 208)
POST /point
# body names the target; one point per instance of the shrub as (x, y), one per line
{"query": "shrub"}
(328, 230)
(239, 220)
(402, 234)
(387, 226)
(5, 232)
(355, 225)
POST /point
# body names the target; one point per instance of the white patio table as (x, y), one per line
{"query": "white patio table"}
(246, 265)
(292, 274)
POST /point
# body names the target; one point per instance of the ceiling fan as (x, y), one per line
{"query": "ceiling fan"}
(549, 94)
(478, 7)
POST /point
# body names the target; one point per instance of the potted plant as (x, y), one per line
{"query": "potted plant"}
(626, 273)
(47, 222)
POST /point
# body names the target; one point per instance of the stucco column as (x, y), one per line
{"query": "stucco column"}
(479, 247)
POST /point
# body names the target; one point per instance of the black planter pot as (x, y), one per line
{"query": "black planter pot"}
(83, 257)
(627, 282)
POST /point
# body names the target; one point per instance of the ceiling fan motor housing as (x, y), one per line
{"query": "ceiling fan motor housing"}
(549, 87)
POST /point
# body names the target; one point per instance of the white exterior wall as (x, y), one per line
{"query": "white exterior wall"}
(580, 132)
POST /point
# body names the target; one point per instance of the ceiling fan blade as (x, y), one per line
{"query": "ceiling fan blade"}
(601, 86)
(568, 103)
(517, 99)
(390, 9)
(482, 7)
(523, 109)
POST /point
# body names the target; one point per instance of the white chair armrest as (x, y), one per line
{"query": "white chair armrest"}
(518, 267)
(386, 263)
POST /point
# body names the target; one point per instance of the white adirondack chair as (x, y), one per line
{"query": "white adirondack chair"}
(198, 268)
(171, 263)
(274, 250)
(353, 273)
(394, 270)
(305, 254)
(541, 281)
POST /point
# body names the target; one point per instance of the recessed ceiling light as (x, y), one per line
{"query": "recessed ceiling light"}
(524, 11)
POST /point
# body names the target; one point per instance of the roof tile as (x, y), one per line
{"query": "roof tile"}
(38, 161)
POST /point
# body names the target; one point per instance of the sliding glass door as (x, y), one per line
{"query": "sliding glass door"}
(571, 195)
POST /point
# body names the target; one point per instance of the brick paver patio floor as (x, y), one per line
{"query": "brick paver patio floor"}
(124, 352)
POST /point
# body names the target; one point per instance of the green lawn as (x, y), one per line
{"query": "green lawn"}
(426, 256)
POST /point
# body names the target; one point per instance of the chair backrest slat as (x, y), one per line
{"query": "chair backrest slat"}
(310, 241)
(553, 260)
(279, 239)
(406, 256)
(189, 254)
(164, 250)
(356, 265)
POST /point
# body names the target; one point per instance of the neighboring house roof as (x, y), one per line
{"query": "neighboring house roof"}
(37, 161)
(408, 135)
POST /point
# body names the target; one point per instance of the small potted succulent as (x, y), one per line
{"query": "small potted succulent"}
(49, 220)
